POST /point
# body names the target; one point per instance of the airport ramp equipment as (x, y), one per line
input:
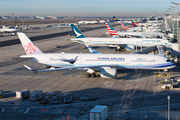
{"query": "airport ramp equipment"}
(21, 94)
(67, 97)
(99, 112)
(87, 97)
(161, 51)
(50, 96)
(36, 95)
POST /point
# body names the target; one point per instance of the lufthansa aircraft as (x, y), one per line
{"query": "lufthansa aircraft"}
(127, 43)
(10, 30)
(98, 64)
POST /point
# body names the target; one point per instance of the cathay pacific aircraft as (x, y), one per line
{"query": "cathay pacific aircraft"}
(96, 63)
(128, 43)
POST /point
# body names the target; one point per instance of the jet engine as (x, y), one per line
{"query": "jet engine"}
(130, 47)
(107, 72)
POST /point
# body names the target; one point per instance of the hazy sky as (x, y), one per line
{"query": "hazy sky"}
(89, 8)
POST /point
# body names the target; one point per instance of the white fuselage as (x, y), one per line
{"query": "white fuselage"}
(8, 30)
(144, 24)
(129, 61)
(146, 34)
(87, 22)
(135, 29)
(121, 41)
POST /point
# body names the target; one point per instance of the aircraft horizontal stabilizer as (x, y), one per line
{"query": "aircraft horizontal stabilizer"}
(92, 50)
(29, 68)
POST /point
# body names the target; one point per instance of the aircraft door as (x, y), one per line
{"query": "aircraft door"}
(81, 60)
(158, 61)
(128, 61)
(46, 59)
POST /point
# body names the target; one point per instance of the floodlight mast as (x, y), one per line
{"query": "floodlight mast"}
(173, 11)
(177, 7)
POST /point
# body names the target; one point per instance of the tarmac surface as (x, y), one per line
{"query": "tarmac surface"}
(134, 95)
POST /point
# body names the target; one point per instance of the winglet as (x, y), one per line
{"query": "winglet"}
(92, 50)
(30, 69)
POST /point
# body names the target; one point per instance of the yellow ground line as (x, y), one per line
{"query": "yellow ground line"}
(135, 74)
(14, 79)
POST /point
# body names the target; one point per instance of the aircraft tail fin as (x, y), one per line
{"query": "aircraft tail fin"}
(98, 19)
(111, 30)
(29, 47)
(114, 18)
(16, 27)
(134, 24)
(124, 26)
(77, 32)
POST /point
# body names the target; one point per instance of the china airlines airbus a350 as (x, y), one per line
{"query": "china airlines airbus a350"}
(96, 63)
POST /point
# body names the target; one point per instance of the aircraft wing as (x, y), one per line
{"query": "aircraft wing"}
(92, 50)
(71, 67)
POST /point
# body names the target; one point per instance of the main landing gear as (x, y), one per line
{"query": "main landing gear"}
(120, 48)
(93, 75)
(165, 74)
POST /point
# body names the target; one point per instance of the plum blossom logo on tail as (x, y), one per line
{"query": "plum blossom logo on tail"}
(30, 48)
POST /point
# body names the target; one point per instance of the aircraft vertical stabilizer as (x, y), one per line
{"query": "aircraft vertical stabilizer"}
(111, 30)
(136, 22)
(77, 32)
(17, 27)
(28, 45)
(124, 26)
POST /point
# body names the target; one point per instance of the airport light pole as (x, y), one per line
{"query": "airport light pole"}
(168, 97)
(177, 18)
(177, 7)
(173, 10)
(0, 21)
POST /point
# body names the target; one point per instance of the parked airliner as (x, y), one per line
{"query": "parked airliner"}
(138, 29)
(142, 24)
(89, 22)
(128, 43)
(112, 31)
(10, 29)
(98, 64)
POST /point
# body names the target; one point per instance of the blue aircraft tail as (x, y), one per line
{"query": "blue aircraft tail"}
(16, 27)
(98, 19)
(115, 19)
(77, 32)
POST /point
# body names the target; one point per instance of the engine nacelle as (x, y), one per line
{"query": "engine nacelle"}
(107, 72)
(130, 47)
